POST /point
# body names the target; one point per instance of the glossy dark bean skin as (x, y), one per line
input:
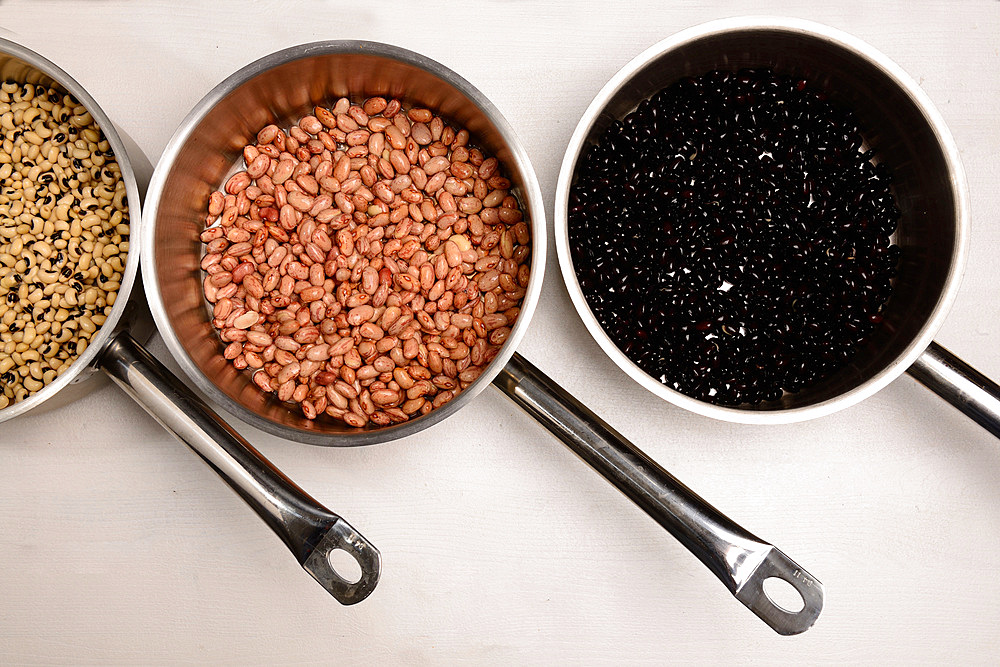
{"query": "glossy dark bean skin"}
(732, 236)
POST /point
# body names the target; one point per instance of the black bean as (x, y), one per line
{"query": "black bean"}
(732, 237)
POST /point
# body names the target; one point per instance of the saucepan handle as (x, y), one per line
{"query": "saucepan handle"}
(740, 560)
(310, 530)
(960, 384)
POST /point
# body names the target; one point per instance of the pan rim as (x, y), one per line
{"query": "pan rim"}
(858, 48)
(85, 364)
(534, 204)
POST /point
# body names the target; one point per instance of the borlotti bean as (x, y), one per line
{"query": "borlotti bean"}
(367, 264)
(64, 231)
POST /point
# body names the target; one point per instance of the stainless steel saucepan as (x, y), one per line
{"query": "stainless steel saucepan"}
(283, 87)
(901, 124)
(310, 530)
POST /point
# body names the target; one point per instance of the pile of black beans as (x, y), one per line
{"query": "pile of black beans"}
(732, 236)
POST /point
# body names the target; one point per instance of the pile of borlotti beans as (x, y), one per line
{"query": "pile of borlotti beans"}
(64, 231)
(367, 264)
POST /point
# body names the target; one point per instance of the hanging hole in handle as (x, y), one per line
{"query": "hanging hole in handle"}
(773, 606)
(783, 595)
(345, 565)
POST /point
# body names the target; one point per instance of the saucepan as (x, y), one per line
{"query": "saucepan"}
(284, 87)
(901, 124)
(312, 532)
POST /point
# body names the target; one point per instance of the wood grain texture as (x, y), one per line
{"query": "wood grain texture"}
(119, 547)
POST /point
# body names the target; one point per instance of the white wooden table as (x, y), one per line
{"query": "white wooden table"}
(118, 546)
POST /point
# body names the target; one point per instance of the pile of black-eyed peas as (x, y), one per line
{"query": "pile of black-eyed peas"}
(64, 234)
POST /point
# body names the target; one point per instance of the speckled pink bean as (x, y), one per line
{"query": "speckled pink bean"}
(259, 338)
(210, 260)
(341, 347)
(216, 203)
(237, 182)
(435, 165)
(319, 352)
(212, 234)
(360, 314)
(267, 134)
(243, 270)
(383, 397)
(211, 291)
(301, 202)
(259, 166)
(285, 390)
(322, 240)
(461, 320)
(288, 372)
(254, 286)
(286, 343)
(263, 380)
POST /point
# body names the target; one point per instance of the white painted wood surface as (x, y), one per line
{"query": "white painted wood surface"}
(117, 546)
